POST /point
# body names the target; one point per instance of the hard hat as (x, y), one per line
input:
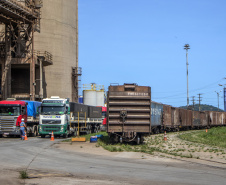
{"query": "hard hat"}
(22, 119)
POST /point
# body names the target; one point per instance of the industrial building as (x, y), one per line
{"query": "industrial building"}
(39, 49)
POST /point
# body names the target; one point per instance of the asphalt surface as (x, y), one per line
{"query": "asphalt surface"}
(41, 159)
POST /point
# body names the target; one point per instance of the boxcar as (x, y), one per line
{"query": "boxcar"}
(129, 112)
(175, 118)
(156, 117)
(185, 119)
(167, 117)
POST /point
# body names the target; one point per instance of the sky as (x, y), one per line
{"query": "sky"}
(130, 41)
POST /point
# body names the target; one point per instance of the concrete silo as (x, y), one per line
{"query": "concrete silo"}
(59, 36)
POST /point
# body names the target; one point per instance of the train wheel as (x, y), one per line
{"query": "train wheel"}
(156, 131)
(120, 139)
(65, 135)
(138, 140)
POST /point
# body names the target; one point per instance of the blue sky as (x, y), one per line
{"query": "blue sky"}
(130, 41)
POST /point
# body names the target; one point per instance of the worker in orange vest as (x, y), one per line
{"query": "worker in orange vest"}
(22, 129)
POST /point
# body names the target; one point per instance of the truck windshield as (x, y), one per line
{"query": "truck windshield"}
(52, 110)
(9, 111)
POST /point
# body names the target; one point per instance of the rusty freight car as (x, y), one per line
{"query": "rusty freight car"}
(129, 112)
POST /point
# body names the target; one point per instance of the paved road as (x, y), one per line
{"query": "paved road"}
(40, 157)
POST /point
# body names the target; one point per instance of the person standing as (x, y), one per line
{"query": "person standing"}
(22, 129)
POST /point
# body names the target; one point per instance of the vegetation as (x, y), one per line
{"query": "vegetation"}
(203, 107)
(23, 175)
(214, 137)
(187, 144)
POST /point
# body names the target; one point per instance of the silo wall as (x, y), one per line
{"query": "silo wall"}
(58, 36)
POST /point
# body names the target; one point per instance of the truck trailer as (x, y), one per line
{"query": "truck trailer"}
(65, 118)
(11, 113)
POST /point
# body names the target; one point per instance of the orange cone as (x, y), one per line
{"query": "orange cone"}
(52, 136)
(206, 130)
(165, 137)
(25, 138)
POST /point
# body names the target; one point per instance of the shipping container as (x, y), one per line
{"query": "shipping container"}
(78, 109)
(95, 112)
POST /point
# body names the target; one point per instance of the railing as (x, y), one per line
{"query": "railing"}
(47, 56)
(93, 87)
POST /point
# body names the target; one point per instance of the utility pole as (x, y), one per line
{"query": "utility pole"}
(187, 47)
(224, 91)
(200, 101)
(193, 102)
(218, 94)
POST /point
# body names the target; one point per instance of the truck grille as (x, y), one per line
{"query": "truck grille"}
(6, 124)
(50, 121)
(51, 128)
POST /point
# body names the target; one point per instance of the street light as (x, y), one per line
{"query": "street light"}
(187, 47)
(218, 93)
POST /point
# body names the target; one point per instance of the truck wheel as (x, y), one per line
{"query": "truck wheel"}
(43, 136)
(65, 135)
(35, 132)
(0, 135)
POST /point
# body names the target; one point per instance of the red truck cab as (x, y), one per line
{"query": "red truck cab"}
(11, 113)
(104, 119)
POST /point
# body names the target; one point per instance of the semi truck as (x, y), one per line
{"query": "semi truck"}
(64, 118)
(11, 113)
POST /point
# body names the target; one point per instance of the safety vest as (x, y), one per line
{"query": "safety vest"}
(22, 125)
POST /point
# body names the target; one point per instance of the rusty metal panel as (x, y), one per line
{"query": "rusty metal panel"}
(204, 119)
(212, 118)
(175, 117)
(196, 122)
(129, 109)
(167, 116)
(186, 118)
(220, 118)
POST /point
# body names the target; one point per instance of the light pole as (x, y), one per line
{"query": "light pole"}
(218, 93)
(187, 47)
(224, 95)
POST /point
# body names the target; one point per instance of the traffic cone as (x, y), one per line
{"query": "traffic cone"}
(206, 130)
(52, 136)
(165, 137)
(25, 138)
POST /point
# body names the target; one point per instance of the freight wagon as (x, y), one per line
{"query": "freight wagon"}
(131, 115)
(129, 112)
